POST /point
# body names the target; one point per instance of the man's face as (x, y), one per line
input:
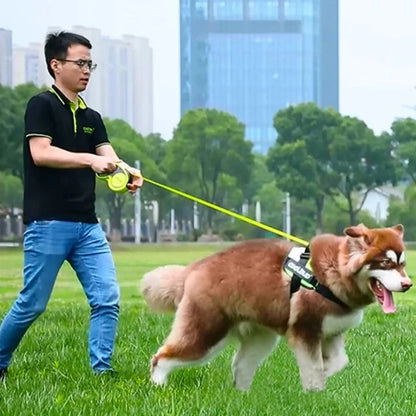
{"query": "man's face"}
(74, 72)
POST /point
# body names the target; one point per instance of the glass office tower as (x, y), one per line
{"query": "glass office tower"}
(6, 58)
(252, 58)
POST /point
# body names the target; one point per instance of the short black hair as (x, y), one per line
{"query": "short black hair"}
(57, 44)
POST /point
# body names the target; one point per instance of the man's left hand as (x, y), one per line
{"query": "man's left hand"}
(136, 183)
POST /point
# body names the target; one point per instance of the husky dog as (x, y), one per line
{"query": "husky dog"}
(246, 291)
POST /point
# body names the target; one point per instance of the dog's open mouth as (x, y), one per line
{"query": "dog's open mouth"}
(383, 295)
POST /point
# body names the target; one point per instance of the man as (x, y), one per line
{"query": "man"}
(66, 145)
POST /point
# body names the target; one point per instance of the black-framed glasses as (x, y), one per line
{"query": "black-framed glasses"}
(82, 63)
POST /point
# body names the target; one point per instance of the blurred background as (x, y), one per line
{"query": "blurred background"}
(299, 114)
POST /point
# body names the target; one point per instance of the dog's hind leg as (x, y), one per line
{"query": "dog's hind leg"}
(334, 355)
(162, 365)
(256, 345)
(197, 335)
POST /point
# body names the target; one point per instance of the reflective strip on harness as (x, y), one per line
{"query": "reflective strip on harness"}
(297, 265)
(294, 267)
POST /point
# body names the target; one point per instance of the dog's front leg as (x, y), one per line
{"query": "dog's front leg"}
(311, 366)
(335, 357)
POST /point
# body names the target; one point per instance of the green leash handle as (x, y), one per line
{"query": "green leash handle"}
(116, 181)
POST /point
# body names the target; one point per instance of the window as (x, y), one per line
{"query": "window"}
(228, 9)
(201, 9)
(263, 9)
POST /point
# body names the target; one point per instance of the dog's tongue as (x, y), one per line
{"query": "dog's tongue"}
(388, 305)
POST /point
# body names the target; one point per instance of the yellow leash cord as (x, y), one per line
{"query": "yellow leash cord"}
(226, 211)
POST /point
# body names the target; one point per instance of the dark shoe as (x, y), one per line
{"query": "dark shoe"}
(3, 373)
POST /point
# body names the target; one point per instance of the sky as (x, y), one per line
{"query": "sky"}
(376, 43)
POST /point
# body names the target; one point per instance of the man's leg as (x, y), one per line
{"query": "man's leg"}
(92, 260)
(45, 250)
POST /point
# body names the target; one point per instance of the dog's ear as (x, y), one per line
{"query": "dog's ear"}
(358, 231)
(399, 229)
(359, 239)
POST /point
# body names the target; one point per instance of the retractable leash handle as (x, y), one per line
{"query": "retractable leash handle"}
(117, 181)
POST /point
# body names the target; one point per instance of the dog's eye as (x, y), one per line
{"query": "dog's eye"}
(387, 263)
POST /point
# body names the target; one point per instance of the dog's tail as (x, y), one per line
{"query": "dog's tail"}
(162, 288)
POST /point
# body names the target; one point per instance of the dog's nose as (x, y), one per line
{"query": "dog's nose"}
(406, 284)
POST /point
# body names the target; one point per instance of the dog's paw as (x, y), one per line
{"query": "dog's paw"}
(313, 382)
(158, 377)
(242, 385)
(334, 366)
(314, 386)
(157, 374)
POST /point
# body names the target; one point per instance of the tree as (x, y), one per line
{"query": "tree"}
(271, 200)
(262, 188)
(337, 216)
(361, 160)
(260, 176)
(206, 145)
(404, 142)
(403, 212)
(11, 192)
(12, 108)
(156, 148)
(300, 158)
(129, 146)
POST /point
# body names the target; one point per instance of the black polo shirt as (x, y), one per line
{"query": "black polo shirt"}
(60, 194)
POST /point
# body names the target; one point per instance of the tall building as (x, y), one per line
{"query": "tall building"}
(122, 85)
(29, 65)
(252, 58)
(6, 57)
(142, 82)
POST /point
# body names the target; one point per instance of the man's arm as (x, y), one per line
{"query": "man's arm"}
(107, 150)
(44, 154)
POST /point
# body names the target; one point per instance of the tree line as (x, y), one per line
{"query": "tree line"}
(322, 158)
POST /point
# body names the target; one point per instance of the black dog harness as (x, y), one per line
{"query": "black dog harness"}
(302, 275)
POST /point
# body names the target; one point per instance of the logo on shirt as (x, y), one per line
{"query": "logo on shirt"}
(88, 130)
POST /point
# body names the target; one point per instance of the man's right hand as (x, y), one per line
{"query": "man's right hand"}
(103, 164)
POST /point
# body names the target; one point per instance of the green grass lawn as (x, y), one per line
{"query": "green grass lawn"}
(50, 372)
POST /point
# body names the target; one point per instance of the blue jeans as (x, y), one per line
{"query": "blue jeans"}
(47, 244)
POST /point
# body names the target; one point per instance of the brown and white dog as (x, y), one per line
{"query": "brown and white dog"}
(244, 291)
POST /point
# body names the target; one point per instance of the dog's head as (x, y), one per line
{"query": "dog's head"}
(378, 256)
